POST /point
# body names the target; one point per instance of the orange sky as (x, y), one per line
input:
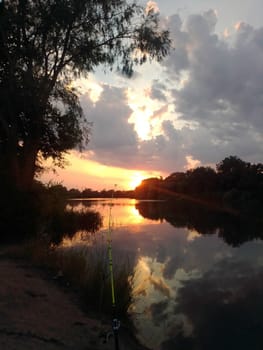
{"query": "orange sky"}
(182, 113)
(82, 173)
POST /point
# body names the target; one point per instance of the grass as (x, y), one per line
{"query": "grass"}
(38, 221)
(85, 270)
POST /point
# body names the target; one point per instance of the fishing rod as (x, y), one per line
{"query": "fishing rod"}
(115, 321)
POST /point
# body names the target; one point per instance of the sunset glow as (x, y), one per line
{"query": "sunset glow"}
(88, 86)
(153, 124)
(136, 179)
(84, 173)
(131, 143)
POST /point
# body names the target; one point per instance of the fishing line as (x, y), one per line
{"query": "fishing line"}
(115, 321)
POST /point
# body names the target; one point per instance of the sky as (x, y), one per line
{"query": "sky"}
(202, 103)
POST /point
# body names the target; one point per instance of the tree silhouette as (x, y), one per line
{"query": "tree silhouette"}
(235, 186)
(44, 44)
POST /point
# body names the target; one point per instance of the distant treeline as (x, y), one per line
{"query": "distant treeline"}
(234, 183)
(89, 193)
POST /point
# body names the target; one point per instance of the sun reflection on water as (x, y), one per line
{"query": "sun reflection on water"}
(121, 213)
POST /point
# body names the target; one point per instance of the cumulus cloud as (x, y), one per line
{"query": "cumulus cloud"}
(215, 87)
(222, 92)
(224, 86)
(113, 138)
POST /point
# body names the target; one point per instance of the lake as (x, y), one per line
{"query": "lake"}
(198, 273)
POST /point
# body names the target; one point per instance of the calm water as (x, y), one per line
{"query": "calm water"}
(198, 274)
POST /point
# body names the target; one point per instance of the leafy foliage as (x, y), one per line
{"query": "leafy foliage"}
(44, 44)
(42, 212)
(235, 183)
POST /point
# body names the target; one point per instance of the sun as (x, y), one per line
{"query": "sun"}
(136, 179)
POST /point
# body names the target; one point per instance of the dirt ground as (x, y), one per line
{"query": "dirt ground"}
(36, 314)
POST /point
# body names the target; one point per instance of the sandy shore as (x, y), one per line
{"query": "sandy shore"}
(36, 314)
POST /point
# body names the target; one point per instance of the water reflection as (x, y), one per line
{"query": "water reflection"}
(197, 284)
(233, 229)
(224, 309)
(124, 213)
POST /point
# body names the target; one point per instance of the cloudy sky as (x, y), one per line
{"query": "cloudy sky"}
(203, 103)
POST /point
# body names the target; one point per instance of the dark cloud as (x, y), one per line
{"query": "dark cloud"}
(172, 264)
(158, 312)
(224, 307)
(158, 91)
(222, 91)
(217, 93)
(113, 139)
(109, 116)
(180, 39)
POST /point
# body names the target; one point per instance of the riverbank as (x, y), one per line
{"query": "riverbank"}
(36, 313)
